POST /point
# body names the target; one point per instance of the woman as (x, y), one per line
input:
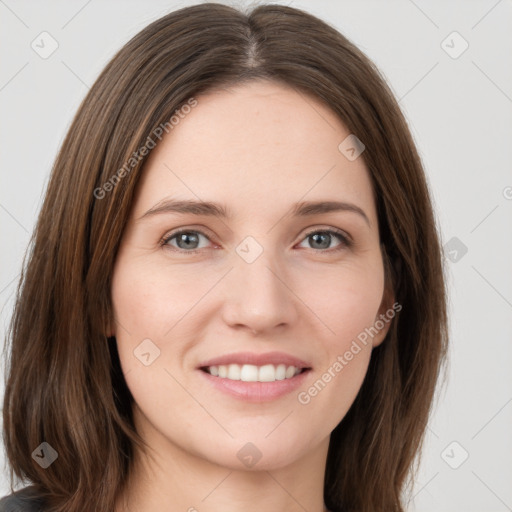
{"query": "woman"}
(235, 294)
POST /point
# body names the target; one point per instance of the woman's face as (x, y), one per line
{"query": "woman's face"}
(268, 283)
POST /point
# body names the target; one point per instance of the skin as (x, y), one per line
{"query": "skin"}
(257, 148)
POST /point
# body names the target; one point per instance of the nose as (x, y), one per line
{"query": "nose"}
(259, 297)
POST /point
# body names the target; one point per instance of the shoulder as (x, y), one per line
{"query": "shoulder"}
(23, 500)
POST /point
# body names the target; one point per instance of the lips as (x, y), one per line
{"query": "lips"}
(255, 377)
(249, 358)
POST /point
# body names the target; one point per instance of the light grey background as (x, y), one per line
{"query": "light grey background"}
(460, 113)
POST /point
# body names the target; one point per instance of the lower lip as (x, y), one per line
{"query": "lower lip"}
(256, 391)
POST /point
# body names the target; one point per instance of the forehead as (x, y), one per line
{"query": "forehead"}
(253, 146)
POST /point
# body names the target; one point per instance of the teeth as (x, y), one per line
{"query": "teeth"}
(233, 372)
(252, 373)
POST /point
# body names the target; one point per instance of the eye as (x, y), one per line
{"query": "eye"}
(321, 239)
(186, 240)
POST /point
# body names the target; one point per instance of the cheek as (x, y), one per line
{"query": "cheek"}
(147, 301)
(348, 305)
(151, 302)
(346, 302)
(330, 395)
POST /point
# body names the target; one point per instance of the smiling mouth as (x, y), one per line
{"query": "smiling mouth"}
(253, 373)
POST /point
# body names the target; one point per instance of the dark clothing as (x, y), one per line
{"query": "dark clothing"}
(24, 500)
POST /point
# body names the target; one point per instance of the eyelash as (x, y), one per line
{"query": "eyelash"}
(346, 243)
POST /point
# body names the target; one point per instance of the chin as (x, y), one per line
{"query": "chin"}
(258, 455)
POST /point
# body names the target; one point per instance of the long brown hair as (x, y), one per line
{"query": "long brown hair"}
(64, 383)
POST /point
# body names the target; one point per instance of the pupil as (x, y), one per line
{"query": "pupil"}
(185, 237)
(326, 239)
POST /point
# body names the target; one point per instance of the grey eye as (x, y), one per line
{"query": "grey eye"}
(185, 240)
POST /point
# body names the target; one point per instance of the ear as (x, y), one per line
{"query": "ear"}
(384, 317)
(388, 306)
(110, 331)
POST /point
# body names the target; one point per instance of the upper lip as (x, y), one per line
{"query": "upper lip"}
(242, 358)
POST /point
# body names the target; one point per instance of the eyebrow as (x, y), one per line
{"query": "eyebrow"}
(208, 208)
